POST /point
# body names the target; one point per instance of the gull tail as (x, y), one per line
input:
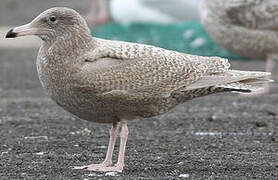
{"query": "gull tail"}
(248, 81)
(233, 80)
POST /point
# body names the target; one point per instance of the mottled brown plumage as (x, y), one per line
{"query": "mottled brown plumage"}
(107, 81)
(245, 27)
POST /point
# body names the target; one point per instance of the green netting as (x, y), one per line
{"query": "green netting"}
(188, 37)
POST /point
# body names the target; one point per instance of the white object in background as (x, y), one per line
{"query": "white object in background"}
(155, 11)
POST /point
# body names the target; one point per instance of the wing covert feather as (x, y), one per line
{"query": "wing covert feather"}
(137, 68)
(154, 77)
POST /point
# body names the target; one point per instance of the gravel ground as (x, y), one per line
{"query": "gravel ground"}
(223, 136)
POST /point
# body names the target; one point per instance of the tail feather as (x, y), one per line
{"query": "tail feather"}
(239, 87)
(256, 81)
(234, 80)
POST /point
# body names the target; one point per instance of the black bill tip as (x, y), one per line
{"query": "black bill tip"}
(11, 34)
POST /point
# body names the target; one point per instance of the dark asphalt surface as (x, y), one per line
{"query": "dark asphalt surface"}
(223, 136)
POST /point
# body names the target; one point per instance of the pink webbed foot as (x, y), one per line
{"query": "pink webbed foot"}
(104, 168)
(91, 166)
(101, 167)
(108, 169)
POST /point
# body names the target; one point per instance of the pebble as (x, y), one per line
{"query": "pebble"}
(111, 174)
(184, 176)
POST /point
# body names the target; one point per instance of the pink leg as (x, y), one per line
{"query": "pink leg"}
(92, 16)
(103, 12)
(266, 88)
(112, 141)
(108, 159)
(269, 67)
(107, 164)
(120, 164)
(124, 135)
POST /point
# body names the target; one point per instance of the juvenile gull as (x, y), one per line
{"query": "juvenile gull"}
(245, 27)
(107, 81)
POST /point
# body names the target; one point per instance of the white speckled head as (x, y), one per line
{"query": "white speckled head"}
(53, 23)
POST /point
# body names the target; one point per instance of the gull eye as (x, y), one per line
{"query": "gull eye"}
(52, 18)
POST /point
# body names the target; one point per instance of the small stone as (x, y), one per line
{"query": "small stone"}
(216, 117)
(184, 176)
(40, 153)
(92, 175)
(111, 174)
(87, 130)
(271, 113)
(261, 124)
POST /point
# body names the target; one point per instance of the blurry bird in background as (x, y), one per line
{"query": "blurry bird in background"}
(246, 27)
(171, 24)
(152, 11)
